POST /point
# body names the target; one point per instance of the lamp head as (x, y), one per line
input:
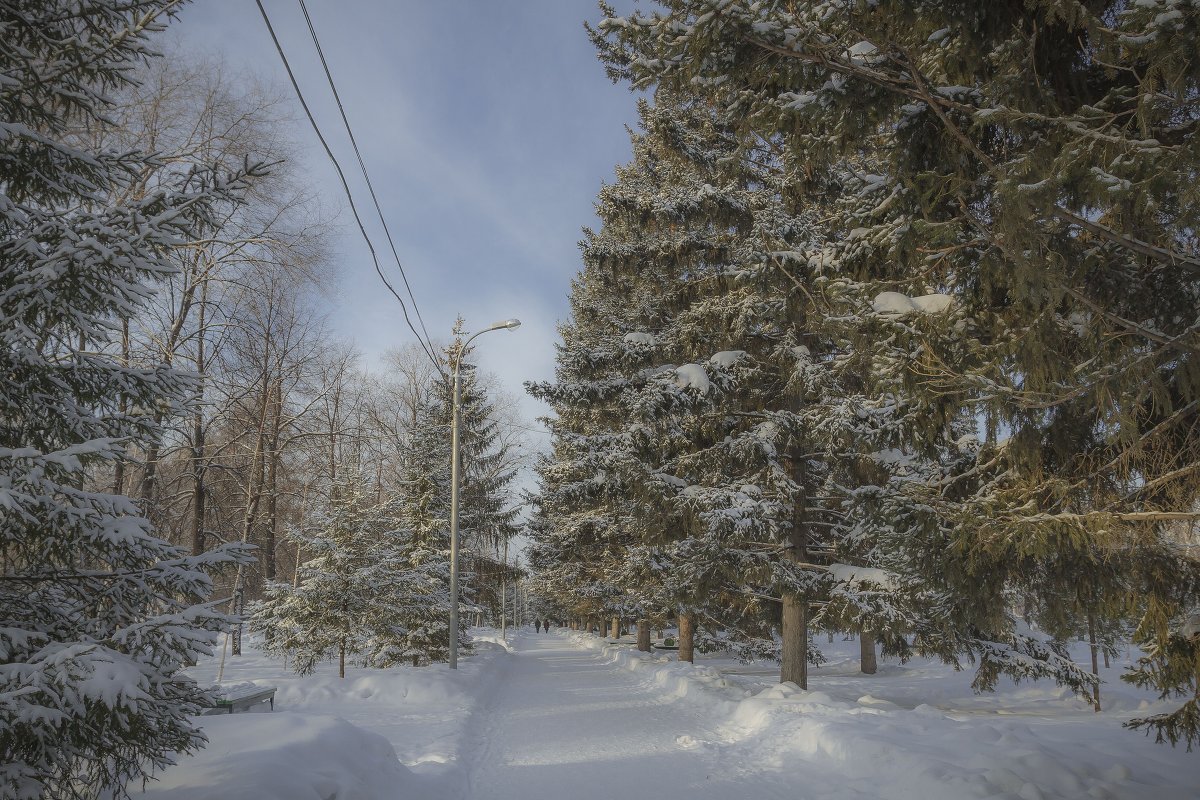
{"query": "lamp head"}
(510, 324)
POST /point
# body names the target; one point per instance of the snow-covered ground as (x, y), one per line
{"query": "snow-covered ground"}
(565, 714)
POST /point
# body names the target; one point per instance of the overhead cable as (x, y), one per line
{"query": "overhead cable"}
(361, 165)
(346, 187)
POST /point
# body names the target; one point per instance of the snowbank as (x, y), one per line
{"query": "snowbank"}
(1032, 742)
(286, 757)
(378, 733)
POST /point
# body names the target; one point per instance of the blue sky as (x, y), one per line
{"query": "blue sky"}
(487, 127)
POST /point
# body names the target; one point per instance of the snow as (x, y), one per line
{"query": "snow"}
(846, 573)
(692, 376)
(565, 714)
(893, 457)
(726, 358)
(636, 338)
(295, 755)
(863, 53)
(895, 304)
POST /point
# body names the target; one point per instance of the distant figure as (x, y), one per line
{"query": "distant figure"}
(547, 625)
(537, 625)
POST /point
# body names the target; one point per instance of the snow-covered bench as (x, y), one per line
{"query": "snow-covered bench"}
(242, 698)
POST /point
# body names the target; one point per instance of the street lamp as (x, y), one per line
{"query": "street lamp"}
(511, 325)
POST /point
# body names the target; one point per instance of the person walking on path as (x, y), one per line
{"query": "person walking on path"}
(537, 625)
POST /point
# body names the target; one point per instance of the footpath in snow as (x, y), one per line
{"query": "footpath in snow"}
(569, 722)
(565, 715)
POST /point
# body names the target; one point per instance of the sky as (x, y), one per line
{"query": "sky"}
(487, 126)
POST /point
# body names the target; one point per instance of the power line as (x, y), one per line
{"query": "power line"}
(346, 187)
(361, 165)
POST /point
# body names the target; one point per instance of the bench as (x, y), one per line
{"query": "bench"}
(243, 701)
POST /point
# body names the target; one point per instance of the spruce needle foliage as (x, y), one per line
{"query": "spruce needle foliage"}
(1016, 245)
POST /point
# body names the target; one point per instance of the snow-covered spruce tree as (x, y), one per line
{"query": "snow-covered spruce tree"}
(579, 529)
(487, 513)
(353, 590)
(729, 405)
(424, 521)
(324, 613)
(97, 615)
(1036, 167)
(584, 514)
(375, 587)
(684, 351)
(661, 220)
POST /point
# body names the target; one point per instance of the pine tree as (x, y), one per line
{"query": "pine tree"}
(1023, 252)
(97, 615)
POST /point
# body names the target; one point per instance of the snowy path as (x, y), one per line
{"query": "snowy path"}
(563, 715)
(564, 722)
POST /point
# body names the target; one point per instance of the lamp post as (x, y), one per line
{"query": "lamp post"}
(508, 324)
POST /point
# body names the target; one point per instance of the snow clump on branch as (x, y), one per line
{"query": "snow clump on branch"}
(896, 304)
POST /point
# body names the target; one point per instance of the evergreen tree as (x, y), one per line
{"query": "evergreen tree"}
(581, 526)
(1023, 252)
(487, 513)
(376, 587)
(97, 615)
(425, 520)
(340, 587)
(699, 368)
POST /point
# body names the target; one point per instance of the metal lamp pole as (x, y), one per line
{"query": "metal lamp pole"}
(508, 324)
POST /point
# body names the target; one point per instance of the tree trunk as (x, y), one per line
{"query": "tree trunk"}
(687, 637)
(866, 653)
(149, 474)
(504, 595)
(342, 658)
(379, 481)
(643, 635)
(253, 495)
(795, 641)
(272, 533)
(615, 628)
(333, 426)
(199, 489)
(119, 467)
(1091, 620)
(794, 655)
